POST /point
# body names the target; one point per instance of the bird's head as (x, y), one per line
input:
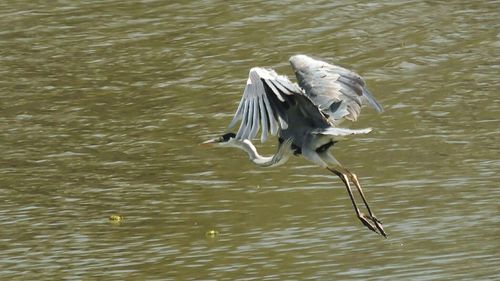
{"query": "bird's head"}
(224, 140)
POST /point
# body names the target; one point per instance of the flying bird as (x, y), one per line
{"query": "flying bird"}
(305, 117)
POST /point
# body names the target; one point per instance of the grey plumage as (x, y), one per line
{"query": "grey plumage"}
(326, 94)
(304, 116)
(328, 85)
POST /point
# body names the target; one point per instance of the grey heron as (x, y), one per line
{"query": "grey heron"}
(305, 117)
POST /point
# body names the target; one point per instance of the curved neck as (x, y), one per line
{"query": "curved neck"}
(266, 161)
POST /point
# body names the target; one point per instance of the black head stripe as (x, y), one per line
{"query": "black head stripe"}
(228, 136)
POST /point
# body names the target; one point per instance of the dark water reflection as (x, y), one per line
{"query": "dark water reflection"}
(104, 102)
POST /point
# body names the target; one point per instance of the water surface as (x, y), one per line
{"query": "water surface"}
(103, 104)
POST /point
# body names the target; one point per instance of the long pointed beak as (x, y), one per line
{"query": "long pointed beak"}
(210, 142)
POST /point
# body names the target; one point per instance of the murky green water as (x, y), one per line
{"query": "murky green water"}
(103, 104)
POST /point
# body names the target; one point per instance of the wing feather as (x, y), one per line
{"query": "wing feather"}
(249, 122)
(279, 87)
(335, 131)
(328, 84)
(275, 90)
(264, 119)
(256, 121)
(243, 118)
(267, 103)
(273, 126)
(238, 113)
(291, 87)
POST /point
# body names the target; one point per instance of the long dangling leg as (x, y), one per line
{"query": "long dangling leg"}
(377, 222)
(361, 216)
(327, 157)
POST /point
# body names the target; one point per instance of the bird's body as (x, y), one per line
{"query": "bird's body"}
(304, 116)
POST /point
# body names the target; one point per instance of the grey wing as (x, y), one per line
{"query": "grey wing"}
(267, 102)
(337, 91)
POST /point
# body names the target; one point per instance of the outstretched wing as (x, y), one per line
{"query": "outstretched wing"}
(268, 103)
(337, 91)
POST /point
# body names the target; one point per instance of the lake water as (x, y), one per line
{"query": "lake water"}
(103, 105)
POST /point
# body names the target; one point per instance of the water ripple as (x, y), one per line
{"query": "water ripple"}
(104, 104)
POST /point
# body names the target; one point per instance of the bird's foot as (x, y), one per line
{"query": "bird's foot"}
(367, 221)
(372, 223)
(379, 226)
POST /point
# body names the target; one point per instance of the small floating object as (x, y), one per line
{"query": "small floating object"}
(212, 233)
(116, 218)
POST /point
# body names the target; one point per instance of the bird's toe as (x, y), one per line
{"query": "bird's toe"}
(379, 226)
(367, 222)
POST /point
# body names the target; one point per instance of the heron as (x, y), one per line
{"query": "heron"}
(305, 118)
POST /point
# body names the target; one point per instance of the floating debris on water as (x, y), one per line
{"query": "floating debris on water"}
(116, 218)
(212, 233)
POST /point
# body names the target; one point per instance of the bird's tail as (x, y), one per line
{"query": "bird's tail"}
(333, 131)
